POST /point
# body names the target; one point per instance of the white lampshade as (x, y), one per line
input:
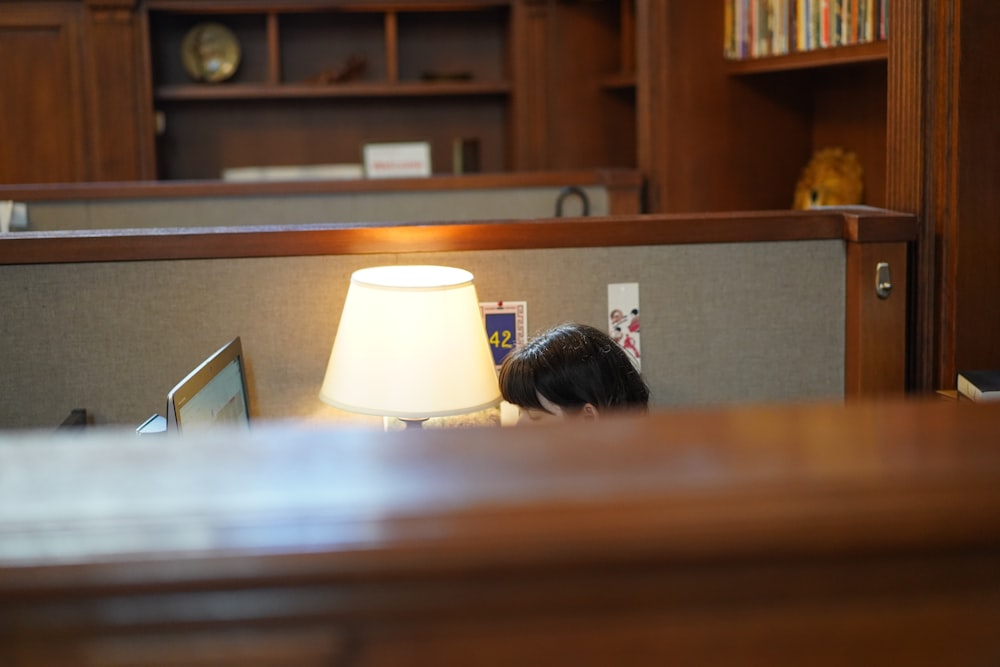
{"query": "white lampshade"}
(411, 344)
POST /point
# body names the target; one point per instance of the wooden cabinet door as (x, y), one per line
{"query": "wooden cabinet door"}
(42, 128)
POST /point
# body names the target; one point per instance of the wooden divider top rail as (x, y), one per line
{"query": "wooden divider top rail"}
(863, 534)
(857, 224)
(726, 483)
(611, 178)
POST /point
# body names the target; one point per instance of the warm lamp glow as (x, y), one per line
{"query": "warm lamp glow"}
(411, 344)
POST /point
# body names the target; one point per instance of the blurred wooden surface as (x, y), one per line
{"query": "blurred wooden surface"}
(866, 534)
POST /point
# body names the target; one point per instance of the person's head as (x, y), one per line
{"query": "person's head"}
(570, 370)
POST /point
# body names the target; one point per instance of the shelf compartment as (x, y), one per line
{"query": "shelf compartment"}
(202, 139)
(829, 57)
(347, 90)
(453, 45)
(167, 30)
(321, 43)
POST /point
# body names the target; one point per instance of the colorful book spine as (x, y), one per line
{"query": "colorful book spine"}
(852, 22)
(801, 25)
(728, 29)
(757, 28)
(824, 23)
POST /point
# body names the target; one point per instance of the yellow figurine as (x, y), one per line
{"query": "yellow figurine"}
(832, 178)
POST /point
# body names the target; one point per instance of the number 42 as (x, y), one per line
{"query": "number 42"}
(495, 340)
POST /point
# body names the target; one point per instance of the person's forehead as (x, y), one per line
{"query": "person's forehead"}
(549, 405)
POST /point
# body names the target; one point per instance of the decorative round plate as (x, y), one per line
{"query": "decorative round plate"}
(211, 52)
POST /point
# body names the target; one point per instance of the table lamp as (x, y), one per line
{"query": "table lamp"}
(411, 344)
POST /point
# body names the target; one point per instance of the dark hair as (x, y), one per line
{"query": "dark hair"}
(572, 365)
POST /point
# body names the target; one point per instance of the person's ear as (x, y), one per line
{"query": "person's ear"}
(589, 411)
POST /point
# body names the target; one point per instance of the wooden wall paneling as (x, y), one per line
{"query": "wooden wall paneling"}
(942, 165)
(530, 95)
(274, 63)
(147, 110)
(976, 227)
(849, 110)
(938, 202)
(115, 92)
(913, 119)
(586, 125)
(769, 122)
(709, 140)
(619, 96)
(618, 134)
(652, 94)
(622, 188)
(391, 47)
(875, 340)
(42, 117)
(627, 31)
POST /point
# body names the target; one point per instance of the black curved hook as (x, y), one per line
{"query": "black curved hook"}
(568, 191)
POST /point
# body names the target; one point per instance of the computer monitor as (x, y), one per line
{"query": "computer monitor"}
(213, 395)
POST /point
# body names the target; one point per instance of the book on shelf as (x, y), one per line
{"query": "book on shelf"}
(983, 385)
(757, 28)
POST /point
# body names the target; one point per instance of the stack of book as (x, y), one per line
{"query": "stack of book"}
(756, 28)
(979, 385)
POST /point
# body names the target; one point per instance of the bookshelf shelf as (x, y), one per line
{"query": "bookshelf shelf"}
(828, 57)
(264, 91)
(623, 81)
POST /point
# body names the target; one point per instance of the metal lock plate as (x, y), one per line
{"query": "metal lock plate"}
(883, 280)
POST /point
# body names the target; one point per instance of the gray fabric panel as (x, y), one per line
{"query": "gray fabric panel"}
(721, 323)
(514, 203)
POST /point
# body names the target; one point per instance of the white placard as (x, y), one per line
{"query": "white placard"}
(623, 318)
(311, 172)
(6, 213)
(410, 159)
(13, 215)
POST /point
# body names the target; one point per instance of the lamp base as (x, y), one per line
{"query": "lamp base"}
(413, 422)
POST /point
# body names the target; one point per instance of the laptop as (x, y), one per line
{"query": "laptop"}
(212, 396)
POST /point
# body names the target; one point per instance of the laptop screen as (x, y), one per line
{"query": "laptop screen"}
(213, 395)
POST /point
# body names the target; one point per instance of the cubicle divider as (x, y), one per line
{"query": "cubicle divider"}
(201, 204)
(768, 536)
(736, 307)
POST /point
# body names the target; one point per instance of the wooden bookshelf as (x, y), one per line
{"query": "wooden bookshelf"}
(721, 134)
(829, 57)
(542, 85)
(426, 72)
(266, 91)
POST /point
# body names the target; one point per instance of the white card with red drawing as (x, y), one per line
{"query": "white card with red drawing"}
(623, 319)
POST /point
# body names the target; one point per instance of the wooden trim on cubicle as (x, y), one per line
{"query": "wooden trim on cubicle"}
(876, 335)
(689, 537)
(351, 239)
(624, 186)
(875, 341)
